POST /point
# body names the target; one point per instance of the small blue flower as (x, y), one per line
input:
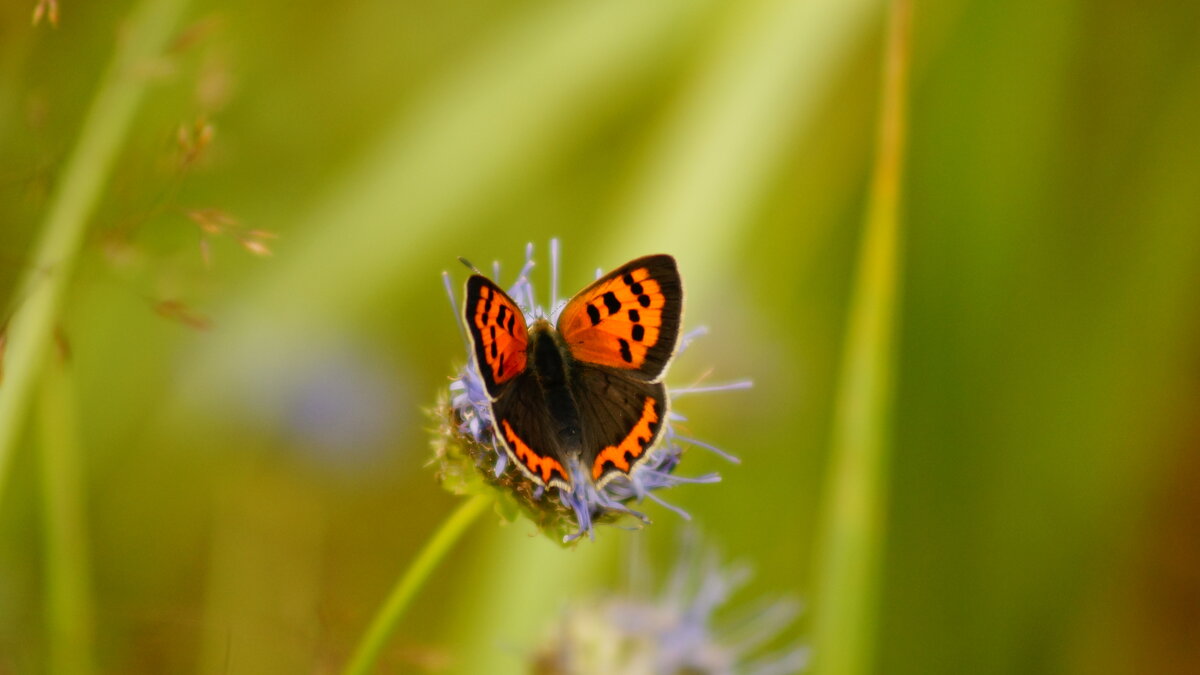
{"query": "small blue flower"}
(465, 437)
(675, 632)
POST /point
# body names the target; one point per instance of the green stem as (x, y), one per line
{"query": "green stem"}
(385, 621)
(35, 307)
(853, 522)
(68, 581)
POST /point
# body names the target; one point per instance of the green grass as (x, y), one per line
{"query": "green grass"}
(70, 616)
(36, 304)
(849, 571)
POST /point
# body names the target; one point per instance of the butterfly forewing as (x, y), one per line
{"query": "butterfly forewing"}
(498, 333)
(621, 419)
(628, 319)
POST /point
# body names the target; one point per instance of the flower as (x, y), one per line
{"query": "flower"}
(471, 459)
(673, 633)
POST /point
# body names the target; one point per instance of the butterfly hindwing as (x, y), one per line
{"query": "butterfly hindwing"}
(527, 432)
(621, 419)
(498, 333)
(629, 319)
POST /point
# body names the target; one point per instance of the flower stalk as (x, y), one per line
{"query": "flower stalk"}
(856, 486)
(384, 624)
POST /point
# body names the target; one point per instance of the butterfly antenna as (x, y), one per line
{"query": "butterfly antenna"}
(469, 265)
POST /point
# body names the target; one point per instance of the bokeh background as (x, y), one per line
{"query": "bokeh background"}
(255, 449)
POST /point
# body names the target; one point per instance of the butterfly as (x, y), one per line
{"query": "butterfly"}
(583, 399)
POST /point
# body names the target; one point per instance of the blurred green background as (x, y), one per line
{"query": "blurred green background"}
(254, 443)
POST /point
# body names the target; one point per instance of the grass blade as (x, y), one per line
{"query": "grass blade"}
(853, 523)
(36, 305)
(69, 616)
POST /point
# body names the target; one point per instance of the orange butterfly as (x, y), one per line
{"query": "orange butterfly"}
(582, 400)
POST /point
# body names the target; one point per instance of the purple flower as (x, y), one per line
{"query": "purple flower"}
(675, 632)
(465, 443)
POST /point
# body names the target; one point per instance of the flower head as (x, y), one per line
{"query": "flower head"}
(673, 633)
(471, 459)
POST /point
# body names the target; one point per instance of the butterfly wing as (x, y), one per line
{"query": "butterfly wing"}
(629, 319)
(527, 433)
(499, 336)
(621, 419)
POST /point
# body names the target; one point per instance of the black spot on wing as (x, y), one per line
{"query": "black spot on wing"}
(634, 316)
(611, 303)
(625, 353)
(593, 314)
(636, 289)
(644, 300)
(639, 332)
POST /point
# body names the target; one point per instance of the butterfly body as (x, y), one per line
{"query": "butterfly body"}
(550, 364)
(581, 400)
